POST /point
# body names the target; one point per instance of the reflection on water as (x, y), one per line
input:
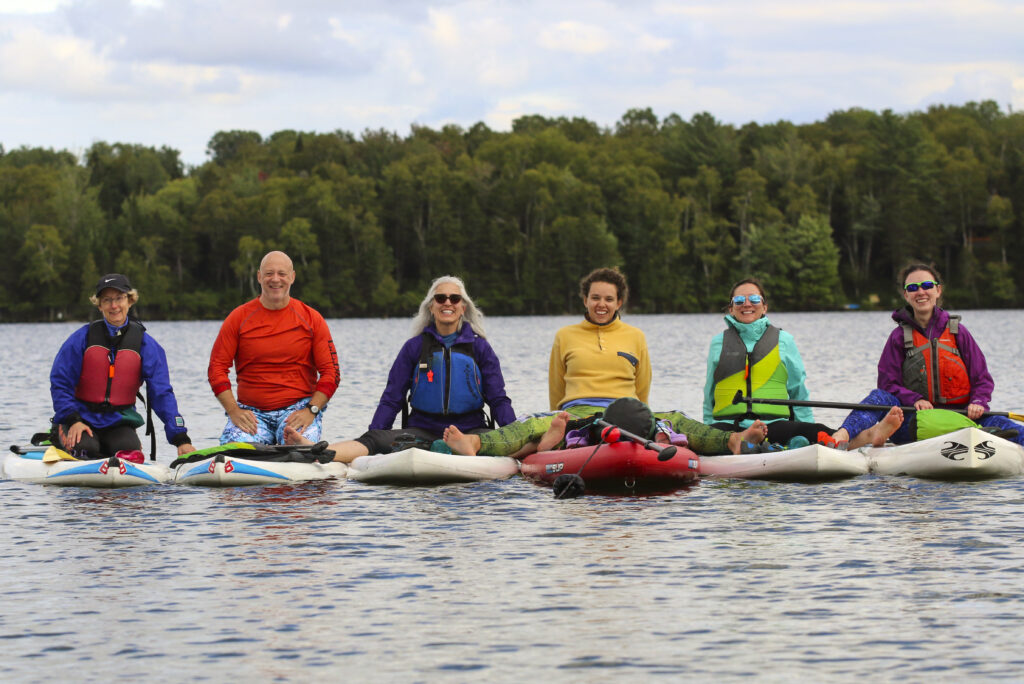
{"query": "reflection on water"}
(880, 578)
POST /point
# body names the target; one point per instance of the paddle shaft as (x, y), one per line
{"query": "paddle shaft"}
(740, 399)
(665, 451)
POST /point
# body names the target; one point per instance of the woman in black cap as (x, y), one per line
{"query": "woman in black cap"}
(96, 375)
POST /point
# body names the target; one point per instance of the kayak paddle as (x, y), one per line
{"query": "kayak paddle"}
(571, 485)
(665, 451)
(740, 399)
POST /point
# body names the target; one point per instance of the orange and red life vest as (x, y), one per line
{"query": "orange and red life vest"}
(111, 367)
(934, 368)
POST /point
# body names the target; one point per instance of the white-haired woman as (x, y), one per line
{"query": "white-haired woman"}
(446, 372)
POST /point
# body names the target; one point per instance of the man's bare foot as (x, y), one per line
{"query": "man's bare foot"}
(461, 443)
(881, 431)
(555, 434)
(293, 436)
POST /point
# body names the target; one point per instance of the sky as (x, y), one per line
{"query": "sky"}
(175, 72)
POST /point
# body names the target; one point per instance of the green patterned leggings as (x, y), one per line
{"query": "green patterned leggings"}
(510, 438)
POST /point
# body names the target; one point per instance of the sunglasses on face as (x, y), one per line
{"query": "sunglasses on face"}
(925, 285)
(740, 299)
(442, 298)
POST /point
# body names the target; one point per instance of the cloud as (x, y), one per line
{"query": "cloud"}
(975, 85)
(575, 37)
(176, 72)
(54, 65)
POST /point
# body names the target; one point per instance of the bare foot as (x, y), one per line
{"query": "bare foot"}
(293, 436)
(881, 431)
(888, 425)
(460, 442)
(755, 433)
(555, 434)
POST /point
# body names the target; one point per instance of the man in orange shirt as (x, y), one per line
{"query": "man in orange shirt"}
(284, 358)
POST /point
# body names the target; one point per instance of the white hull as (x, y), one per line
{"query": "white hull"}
(228, 471)
(419, 467)
(966, 454)
(814, 463)
(104, 473)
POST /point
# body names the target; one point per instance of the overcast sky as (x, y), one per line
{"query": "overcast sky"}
(169, 72)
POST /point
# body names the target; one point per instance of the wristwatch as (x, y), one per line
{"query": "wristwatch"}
(313, 408)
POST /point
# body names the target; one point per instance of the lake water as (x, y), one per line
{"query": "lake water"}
(872, 578)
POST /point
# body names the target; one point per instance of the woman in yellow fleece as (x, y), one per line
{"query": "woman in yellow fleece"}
(592, 364)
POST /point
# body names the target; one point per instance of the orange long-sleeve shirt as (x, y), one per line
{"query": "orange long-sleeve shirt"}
(280, 356)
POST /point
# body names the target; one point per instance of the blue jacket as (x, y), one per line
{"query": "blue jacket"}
(400, 382)
(67, 369)
(750, 333)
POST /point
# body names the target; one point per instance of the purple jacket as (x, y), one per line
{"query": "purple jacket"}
(890, 365)
(400, 382)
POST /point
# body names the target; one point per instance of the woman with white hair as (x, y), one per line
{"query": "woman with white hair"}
(446, 372)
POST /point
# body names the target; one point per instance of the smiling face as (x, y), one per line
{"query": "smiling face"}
(114, 306)
(602, 302)
(922, 301)
(447, 314)
(276, 276)
(747, 312)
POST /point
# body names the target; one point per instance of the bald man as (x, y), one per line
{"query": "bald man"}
(284, 358)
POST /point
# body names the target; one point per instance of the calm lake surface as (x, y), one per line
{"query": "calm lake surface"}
(869, 579)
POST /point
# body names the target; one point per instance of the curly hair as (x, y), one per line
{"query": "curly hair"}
(612, 276)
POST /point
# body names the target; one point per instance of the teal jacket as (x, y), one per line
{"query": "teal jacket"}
(750, 333)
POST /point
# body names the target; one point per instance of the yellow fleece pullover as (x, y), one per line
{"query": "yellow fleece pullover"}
(598, 361)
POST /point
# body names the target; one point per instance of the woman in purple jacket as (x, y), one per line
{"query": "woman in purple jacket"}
(929, 361)
(447, 371)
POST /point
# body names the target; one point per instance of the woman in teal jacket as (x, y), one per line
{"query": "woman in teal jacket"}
(757, 359)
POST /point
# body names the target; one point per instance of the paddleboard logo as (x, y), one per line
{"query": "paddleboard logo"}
(954, 451)
(985, 449)
(554, 468)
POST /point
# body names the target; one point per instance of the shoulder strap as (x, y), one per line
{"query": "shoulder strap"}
(954, 323)
(908, 335)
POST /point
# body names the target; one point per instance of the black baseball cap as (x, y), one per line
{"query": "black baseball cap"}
(114, 280)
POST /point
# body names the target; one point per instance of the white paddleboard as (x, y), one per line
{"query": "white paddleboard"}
(420, 467)
(228, 471)
(966, 454)
(813, 463)
(104, 472)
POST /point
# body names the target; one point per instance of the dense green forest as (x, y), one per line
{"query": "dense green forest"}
(825, 213)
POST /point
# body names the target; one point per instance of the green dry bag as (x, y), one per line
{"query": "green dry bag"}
(935, 422)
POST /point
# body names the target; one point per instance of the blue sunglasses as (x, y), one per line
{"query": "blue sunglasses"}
(926, 285)
(739, 299)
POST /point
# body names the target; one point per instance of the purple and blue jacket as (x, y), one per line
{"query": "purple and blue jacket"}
(403, 370)
(890, 365)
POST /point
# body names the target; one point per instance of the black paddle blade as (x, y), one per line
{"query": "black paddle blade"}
(667, 453)
(568, 486)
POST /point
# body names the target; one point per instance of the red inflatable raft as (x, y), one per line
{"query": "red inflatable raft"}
(617, 468)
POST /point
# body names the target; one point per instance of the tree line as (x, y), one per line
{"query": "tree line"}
(823, 213)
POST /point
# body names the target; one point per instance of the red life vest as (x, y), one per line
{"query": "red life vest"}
(111, 367)
(934, 368)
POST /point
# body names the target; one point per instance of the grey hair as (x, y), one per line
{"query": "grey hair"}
(472, 315)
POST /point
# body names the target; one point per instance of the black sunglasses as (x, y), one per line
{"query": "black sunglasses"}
(453, 298)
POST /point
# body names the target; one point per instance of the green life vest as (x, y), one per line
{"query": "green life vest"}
(759, 374)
